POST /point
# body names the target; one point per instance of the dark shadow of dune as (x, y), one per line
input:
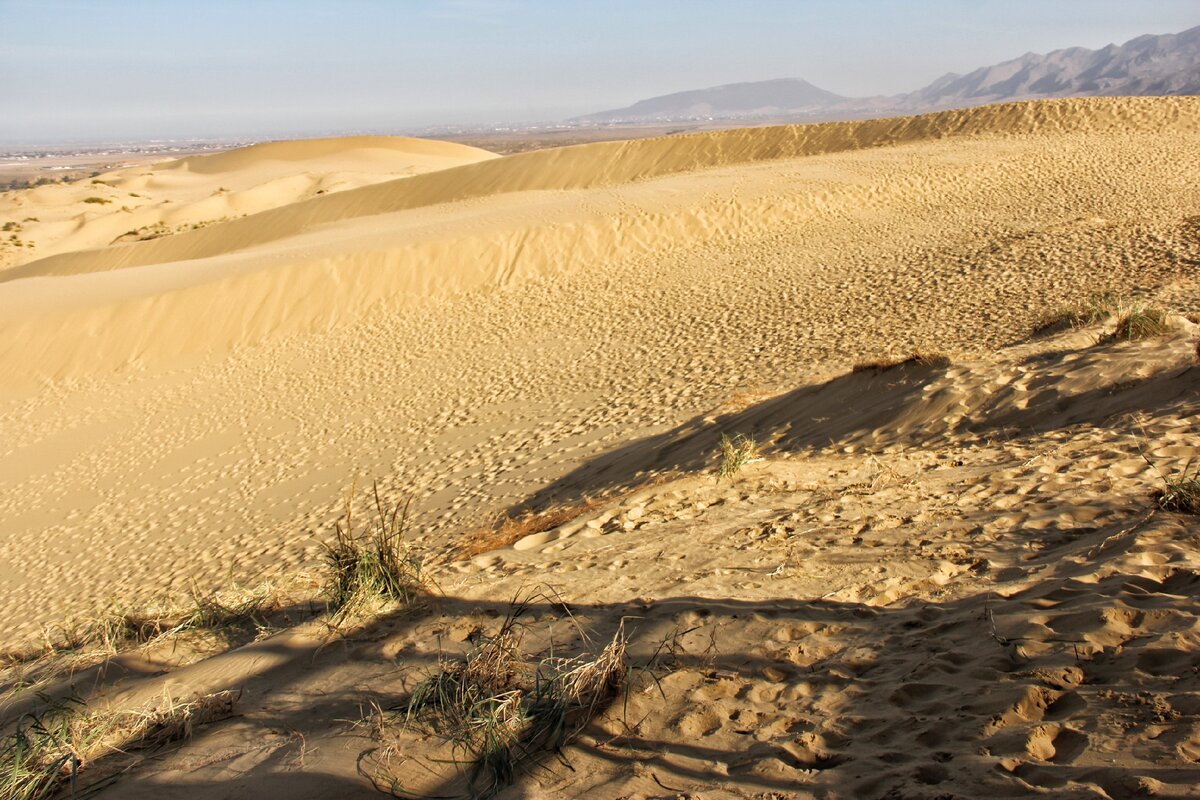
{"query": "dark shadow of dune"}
(909, 405)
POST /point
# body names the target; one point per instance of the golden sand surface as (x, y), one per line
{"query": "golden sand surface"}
(944, 578)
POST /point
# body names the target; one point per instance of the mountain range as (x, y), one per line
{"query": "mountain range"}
(1167, 64)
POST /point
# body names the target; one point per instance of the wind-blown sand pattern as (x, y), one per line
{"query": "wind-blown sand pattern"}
(939, 581)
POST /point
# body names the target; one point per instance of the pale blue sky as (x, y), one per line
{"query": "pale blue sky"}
(94, 69)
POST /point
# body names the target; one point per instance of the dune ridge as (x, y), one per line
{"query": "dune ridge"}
(312, 149)
(489, 224)
(611, 163)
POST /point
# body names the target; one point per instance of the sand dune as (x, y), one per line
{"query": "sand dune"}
(151, 202)
(491, 224)
(942, 579)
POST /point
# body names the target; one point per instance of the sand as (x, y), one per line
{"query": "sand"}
(938, 581)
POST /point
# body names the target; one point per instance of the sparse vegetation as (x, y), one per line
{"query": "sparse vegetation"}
(375, 566)
(1139, 321)
(96, 200)
(500, 709)
(11, 226)
(1181, 492)
(48, 749)
(735, 453)
(116, 630)
(1135, 319)
(99, 182)
(1093, 310)
(918, 359)
(507, 530)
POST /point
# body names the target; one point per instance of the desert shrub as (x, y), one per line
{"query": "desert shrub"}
(48, 749)
(96, 200)
(68, 648)
(919, 359)
(734, 454)
(501, 710)
(1139, 321)
(1093, 310)
(1181, 492)
(376, 565)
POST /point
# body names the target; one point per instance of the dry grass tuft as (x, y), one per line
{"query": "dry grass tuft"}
(1136, 319)
(49, 749)
(1139, 321)
(734, 454)
(501, 710)
(1181, 492)
(377, 565)
(1092, 311)
(68, 648)
(508, 530)
(918, 359)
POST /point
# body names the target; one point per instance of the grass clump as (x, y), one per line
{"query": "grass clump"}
(502, 711)
(377, 565)
(1181, 492)
(48, 749)
(1096, 308)
(735, 453)
(1139, 321)
(1135, 319)
(116, 630)
(507, 530)
(921, 358)
(96, 200)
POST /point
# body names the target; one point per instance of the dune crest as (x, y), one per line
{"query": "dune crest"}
(321, 263)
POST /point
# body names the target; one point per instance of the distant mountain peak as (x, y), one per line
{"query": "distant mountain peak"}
(1166, 64)
(746, 99)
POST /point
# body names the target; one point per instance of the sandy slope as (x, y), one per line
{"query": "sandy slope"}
(939, 582)
(503, 220)
(527, 329)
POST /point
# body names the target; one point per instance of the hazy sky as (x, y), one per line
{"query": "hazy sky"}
(94, 69)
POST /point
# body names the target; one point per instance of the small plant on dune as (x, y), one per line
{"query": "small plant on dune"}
(735, 453)
(1180, 492)
(117, 630)
(1139, 321)
(1093, 310)
(228, 611)
(506, 530)
(501, 710)
(96, 200)
(921, 358)
(1135, 319)
(48, 749)
(377, 565)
